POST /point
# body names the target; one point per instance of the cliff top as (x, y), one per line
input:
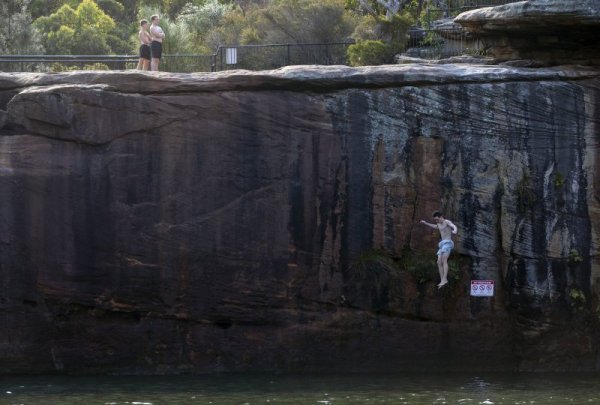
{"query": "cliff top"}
(300, 78)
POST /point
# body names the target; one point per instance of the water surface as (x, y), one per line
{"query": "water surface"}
(305, 389)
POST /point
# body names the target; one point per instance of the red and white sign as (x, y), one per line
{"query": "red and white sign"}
(482, 288)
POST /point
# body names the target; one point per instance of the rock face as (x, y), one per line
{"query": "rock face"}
(540, 32)
(269, 221)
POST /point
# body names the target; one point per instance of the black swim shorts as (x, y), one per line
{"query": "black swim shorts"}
(156, 49)
(145, 51)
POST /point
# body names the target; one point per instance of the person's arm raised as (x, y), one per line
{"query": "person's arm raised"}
(434, 226)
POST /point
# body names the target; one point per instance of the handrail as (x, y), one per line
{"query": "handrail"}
(74, 58)
(349, 42)
(215, 59)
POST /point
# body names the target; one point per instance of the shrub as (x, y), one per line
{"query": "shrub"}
(369, 52)
(59, 67)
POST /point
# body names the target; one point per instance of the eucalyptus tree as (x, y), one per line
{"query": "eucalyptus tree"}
(305, 21)
(83, 30)
(17, 35)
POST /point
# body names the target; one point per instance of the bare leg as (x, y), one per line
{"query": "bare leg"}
(154, 64)
(140, 65)
(146, 64)
(440, 265)
(443, 258)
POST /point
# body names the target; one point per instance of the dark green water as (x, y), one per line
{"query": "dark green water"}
(317, 389)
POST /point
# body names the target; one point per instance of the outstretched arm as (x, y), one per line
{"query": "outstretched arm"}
(434, 226)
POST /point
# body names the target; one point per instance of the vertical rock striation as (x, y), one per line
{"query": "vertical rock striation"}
(269, 220)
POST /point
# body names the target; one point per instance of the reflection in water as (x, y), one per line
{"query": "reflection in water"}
(304, 389)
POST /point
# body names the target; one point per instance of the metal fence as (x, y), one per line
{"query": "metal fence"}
(437, 41)
(273, 56)
(436, 44)
(251, 57)
(56, 63)
(187, 63)
(59, 63)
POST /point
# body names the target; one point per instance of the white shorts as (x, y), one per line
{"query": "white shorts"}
(445, 247)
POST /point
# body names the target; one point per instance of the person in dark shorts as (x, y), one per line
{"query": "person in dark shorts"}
(145, 39)
(157, 35)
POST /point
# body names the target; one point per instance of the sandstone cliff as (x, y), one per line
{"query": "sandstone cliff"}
(269, 220)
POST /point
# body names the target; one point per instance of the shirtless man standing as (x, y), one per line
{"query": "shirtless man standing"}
(157, 37)
(445, 246)
(144, 36)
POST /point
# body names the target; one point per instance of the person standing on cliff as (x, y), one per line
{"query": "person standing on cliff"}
(157, 35)
(145, 39)
(446, 228)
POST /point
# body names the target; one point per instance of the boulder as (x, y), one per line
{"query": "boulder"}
(552, 32)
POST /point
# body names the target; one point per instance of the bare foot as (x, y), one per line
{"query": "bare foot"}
(443, 283)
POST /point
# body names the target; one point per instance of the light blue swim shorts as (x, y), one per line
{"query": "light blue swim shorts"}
(445, 246)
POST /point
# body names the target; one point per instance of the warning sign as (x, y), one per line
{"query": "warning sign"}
(482, 288)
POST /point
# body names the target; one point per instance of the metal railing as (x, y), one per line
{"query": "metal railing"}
(436, 41)
(437, 44)
(251, 57)
(273, 56)
(53, 63)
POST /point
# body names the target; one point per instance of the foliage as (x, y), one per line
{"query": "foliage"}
(367, 29)
(375, 259)
(559, 180)
(199, 22)
(369, 52)
(59, 67)
(238, 27)
(577, 298)
(575, 256)
(83, 30)
(17, 36)
(112, 8)
(525, 195)
(454, 271)
(306, 21)
(40, 8)
(201, 26)
(375, 7)
(422, 267)
(379, 39)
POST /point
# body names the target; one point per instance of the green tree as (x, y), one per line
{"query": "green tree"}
(84, 30)
(369, 52)
(17, 36)
(239, 26)
(201, 21)
(389, 8)
(40, 8)
(382, 30)
(306, 21)
(113, 8)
